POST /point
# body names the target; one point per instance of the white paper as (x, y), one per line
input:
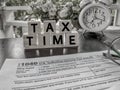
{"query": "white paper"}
(2, 52)
(115, 87)
(86, 71)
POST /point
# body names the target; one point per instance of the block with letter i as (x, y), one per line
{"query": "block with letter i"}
(44, 44)
(34, 27)
(30, 41)
(44, 40)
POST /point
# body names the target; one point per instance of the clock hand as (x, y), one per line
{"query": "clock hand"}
(91, 19)
(94, 16)
(97, 17)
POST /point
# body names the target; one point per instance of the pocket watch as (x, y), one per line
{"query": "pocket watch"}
(95, 17)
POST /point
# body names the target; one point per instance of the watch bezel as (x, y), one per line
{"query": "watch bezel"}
(81, 15)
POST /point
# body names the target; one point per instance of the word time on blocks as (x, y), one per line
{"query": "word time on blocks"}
(36, 39)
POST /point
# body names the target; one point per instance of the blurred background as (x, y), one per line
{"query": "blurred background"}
(14, 12)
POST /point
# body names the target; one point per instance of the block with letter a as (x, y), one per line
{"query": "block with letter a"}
(30, 41)
(34, 27)
(49, 26)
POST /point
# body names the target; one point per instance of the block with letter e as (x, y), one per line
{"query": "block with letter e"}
(30, 41)
(71, 40)
(34, 27)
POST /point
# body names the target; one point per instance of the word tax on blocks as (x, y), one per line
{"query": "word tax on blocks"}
(36, 39)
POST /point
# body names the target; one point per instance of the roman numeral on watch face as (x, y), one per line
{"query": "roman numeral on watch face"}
(94, 17)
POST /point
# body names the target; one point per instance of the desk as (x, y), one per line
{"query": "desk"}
(13, 48)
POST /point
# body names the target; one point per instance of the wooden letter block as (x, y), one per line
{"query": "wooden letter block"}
(72, 40)
(57, 40)
(49, 26)
(65, 26)
(30, 41)
(44, 40)
(34, 27)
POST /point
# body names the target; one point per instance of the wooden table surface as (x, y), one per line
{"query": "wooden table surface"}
(13, 48)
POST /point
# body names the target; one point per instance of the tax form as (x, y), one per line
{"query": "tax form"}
(2, 52)
(84, 71)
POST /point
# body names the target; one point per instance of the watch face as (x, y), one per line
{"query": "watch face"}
(95, 18)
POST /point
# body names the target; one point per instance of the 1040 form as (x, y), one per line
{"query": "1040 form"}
(85, 71)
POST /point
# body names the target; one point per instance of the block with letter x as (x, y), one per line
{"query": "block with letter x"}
(65, 26)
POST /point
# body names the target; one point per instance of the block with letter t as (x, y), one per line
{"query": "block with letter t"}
(30, 41)
(34, 27)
